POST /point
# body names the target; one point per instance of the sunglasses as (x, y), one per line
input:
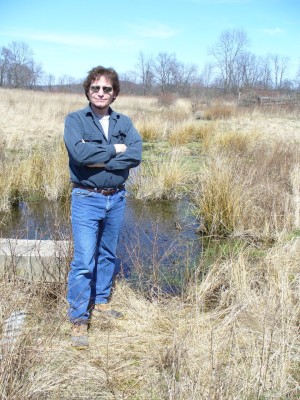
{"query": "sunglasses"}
(106, 89)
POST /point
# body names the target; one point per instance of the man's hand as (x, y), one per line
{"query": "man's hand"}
(120, 148)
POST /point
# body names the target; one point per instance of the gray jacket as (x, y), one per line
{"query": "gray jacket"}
(86, 144)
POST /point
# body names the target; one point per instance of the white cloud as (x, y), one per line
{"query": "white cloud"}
(58, 38)
(273, 32)
(153, 30)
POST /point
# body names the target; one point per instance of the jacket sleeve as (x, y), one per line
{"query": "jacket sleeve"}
(84, 153)
(132, 157)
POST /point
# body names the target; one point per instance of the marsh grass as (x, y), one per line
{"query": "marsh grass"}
(219, 111)
(234, 334)
(151, 129)
(186, 132)
(219, 198)
(245, 187)
(235, 142)
(164, 178)
(40, 172)
(260, 163)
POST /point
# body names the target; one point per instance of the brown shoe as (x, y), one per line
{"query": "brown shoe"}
(107, 311)
(79, 336)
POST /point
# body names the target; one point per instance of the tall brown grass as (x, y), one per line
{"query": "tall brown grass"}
(245, 188)
(219, 111)
(233, 333)
(166, 177)
(219, 197)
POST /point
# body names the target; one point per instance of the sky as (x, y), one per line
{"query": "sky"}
(69, 37)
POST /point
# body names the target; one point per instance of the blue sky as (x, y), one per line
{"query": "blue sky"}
(69, 37)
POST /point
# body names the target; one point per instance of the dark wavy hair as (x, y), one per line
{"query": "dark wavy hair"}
(96, 72)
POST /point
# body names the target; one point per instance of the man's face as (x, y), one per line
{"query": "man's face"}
(101, 93)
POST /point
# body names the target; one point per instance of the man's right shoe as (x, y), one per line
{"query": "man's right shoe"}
(79, 336)
(105, 310)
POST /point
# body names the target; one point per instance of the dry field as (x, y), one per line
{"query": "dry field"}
(234, 331)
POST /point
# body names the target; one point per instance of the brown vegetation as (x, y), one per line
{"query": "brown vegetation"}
(233, 332)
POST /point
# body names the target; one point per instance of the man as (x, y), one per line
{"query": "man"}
(102, 146)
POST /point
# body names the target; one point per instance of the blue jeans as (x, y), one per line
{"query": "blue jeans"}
(96, 224)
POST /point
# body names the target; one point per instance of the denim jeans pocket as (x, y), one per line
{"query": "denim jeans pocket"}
(122, 193)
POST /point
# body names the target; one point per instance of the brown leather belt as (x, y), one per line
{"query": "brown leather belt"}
(104, 191)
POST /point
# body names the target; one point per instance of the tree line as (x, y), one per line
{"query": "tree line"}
(232, 67)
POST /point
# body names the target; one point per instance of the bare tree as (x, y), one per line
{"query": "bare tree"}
(185, 76)
(19, 73)
(50, 79)
(297, 78)
(246, 73)
(17, 66)
(227, 52)
(5, 63)
(206, 75)
(251, 70)
(67, 83)
(279, 64)
(36, 74)
(145, 69)
(165, 68)
(265, 81)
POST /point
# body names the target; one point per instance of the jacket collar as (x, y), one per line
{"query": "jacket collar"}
(113, 115)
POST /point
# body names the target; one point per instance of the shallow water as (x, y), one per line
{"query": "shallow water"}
(154, 235)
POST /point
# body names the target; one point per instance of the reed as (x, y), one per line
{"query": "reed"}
(164, 178)
(234, 334)
(184, 133)
(244, 188)
(219, 111)
(219, 197)
(150, 128)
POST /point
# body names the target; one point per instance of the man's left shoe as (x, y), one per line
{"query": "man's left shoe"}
(107, 311)
(79, 336)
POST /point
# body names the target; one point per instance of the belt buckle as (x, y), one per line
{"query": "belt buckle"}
(108, 191)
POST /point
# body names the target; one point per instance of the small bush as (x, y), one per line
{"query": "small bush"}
(182, 134)
(164, 178)
(166, 99)
(219, 198)
(219, 111)
(236, 142)
(149, 130)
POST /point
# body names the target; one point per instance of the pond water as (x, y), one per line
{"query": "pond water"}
(155, 236)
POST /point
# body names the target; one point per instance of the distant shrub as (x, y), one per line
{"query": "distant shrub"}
(166, 99)
(219, 111)
(148, 130)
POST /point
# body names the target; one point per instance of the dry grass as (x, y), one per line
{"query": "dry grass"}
(219, 111)
(234, 332)
(250, 193)
(257, 161)
(164, 178)
(151, 128)
(234, 335)
(29, 118)
(245, 188)
(219, 197)
(42, 172)
(186, 132)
